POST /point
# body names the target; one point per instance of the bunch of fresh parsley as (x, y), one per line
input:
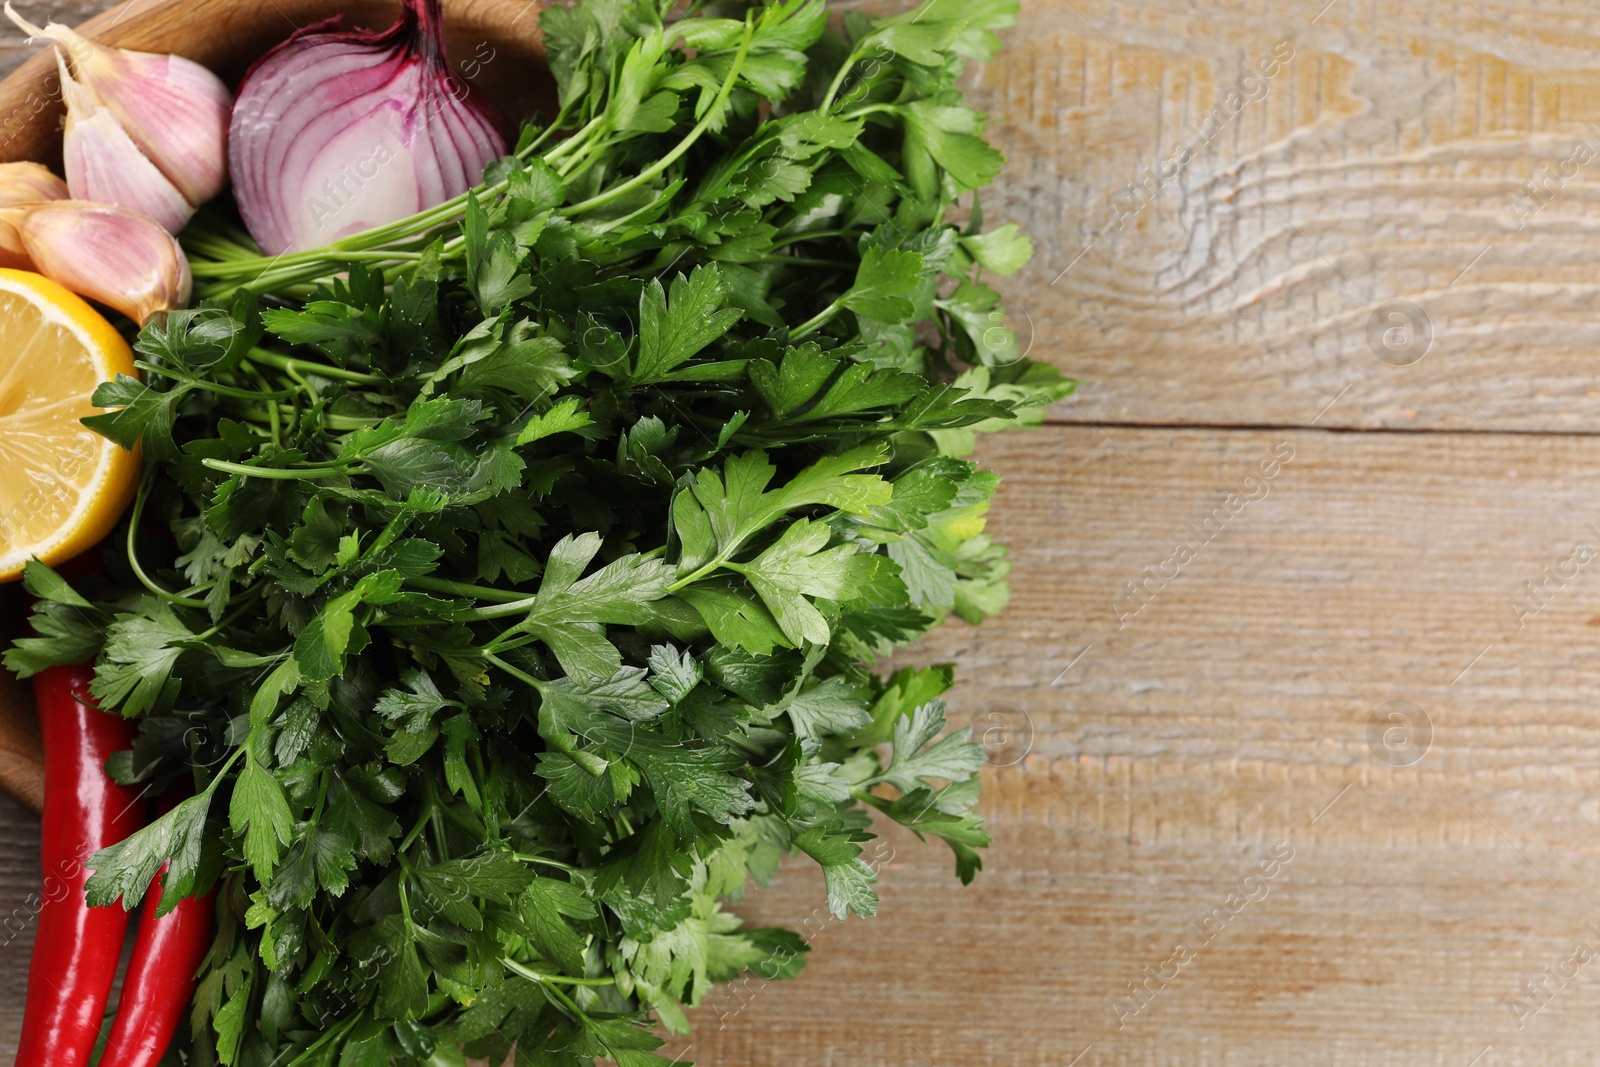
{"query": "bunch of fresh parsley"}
(507, 584)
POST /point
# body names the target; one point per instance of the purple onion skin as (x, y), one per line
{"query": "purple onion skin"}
(334, 132)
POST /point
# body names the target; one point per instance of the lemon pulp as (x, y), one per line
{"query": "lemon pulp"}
(62, 486)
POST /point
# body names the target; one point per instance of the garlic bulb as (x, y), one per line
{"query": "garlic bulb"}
(172, 110)
(107, 253)
(19, 184)
(103, 164)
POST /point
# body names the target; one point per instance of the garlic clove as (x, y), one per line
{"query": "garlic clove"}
(103, 164)
(20, 182)
(13, 254)
(107, 253)
(173, 108)
(178, 115)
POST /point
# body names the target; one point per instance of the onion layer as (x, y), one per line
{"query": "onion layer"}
(334, 132)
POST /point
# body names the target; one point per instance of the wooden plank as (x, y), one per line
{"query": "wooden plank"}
(1229, 707)
(1229, 714)
(14, 46)
(21, 755)
(1444, 157)
(19, 884)
(1393, 154)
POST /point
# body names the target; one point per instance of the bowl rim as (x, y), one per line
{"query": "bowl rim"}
(31, 107)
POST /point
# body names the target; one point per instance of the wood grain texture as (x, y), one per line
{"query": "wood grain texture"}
(1446, 155)
(1152, 748)
(1230, 714)
(19, 886)
(21, 755)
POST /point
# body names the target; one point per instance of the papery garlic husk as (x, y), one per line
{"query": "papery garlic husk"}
(104, 166)
(13, 254)
(174, 109)
(20, 183)
(118, 257)
(336, 132)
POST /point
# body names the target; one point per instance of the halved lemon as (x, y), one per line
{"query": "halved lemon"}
(62, 486)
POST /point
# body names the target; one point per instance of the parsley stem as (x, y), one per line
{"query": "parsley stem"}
(555, 124)
(814, 235)
(583, 139)
(223, 624)
(330, 421)
(838, 81)
(477, 592)
(559, 741)
(321, 370)
(322, 797)
(405, 872)
(541, 977)
(303, 384)
(415, 831)
(282, 474)
(526, 858)
(334, 1034)
(815, 322)
(273, 419)
(133, 550)
(506, 609)
(210, 386)
(519, 675)
(221, 268)
(227, 765)
(217, 245)
(684, 583)
(855, 56)
(345, 423)
(713, 113)
(260, 273)
(697, 575)
(871, 109)
(623, 220)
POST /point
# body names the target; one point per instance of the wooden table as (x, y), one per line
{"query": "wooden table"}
(1287, 770)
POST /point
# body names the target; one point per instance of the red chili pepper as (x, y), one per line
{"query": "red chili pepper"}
(167, 953)
(77, 948)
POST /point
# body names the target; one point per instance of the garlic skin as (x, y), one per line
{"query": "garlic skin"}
(19, 184)
(172, 108)
(107, 253)
(104, 166)
(22, 182)
(13, 253)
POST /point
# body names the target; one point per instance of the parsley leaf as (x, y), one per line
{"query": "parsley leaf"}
(530, 567)
(141, 651)
(671, 333)
(917, 756)
(883, 284)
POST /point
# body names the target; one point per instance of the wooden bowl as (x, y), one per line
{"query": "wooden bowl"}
(495, 43)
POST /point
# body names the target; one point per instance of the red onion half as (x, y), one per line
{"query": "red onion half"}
(335, 132)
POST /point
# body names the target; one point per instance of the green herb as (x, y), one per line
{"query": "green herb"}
(508, 582)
